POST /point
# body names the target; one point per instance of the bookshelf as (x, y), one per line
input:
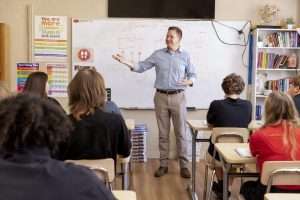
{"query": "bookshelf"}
(276, 54)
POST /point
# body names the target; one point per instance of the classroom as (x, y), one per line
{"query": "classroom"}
(150, 100)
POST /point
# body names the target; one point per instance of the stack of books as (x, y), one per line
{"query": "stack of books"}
(282, 39)
(258, 115)
(278, 85)
(138, 141)
(271, 61)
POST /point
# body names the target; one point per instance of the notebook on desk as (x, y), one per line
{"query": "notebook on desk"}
(243, 152)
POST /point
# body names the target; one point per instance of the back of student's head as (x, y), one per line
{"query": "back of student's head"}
(36, 84)
(280, 107)
(296, 81)
(4, 92)
(233, 84)
(28, 122)
(86, 92)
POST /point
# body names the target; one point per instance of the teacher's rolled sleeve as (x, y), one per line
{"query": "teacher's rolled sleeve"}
(191, 70)
(145, 65)
(170, 67)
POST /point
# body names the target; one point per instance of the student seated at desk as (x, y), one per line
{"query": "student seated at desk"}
(37, 84)
(294, 91)
(277, 140)
(229, 112)
(97, 134)
(109, 106)
(31, 128)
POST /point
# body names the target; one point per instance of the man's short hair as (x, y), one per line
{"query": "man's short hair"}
(177, 30)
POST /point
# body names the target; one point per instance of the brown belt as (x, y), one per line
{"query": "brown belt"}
(169, 91)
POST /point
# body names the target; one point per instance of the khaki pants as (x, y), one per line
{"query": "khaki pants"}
(171, 107)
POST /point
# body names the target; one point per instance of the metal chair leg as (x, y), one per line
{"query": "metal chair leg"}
(125, 179)
(110, 186)
(205, 182)
(211, 183)
(242, 178)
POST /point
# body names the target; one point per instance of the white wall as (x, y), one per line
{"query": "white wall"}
(14, 13)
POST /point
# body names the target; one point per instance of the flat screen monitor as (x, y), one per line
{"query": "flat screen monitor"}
(177, 9)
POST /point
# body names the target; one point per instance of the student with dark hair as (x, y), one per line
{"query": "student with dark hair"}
(31, 129)
(277, 140)
(229, 112)
(37, 84)
(294, 91)
(97, 134)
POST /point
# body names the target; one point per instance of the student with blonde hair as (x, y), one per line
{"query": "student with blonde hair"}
(97, 134)
(277, 140)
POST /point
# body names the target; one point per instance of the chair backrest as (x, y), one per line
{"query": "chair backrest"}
(280, 173)
(230, 135)
(104, 168)
(124, 194)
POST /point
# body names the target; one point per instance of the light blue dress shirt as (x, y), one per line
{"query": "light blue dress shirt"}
(170, 67)
(111, 107)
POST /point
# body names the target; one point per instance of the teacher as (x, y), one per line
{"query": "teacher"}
(174, 72)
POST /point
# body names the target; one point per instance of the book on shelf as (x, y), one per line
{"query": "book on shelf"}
(282, 39)
(278, 85)
(272, 61)
(258, 112)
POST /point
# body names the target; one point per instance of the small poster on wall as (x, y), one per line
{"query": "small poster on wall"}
(50, 50)
(23, 71)
(57, 79)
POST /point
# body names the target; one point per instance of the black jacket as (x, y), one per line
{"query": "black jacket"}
(97, 136)
(228, 113)
(33, 174)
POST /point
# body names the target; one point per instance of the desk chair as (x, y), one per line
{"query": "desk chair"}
(280, 173)
(222, 135)
(124, 163)
(104, 168)
(280, 196)
(124, 195)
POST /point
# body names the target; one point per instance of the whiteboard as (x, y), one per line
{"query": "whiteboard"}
(136, 39)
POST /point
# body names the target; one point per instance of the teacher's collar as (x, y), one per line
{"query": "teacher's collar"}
(179, 49)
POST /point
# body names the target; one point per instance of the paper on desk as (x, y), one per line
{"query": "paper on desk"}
(243, 152)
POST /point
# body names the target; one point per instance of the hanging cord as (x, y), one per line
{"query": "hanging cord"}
(239, 31)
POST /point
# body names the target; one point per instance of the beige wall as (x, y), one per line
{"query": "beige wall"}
(14, 13)
(247, 9)
(298, 13)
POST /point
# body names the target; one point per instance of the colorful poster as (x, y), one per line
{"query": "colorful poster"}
(51, 27)
(23, 71)
(50, 50)
(50, 39)
(57, 79)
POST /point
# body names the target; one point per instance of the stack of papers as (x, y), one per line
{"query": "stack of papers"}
(244, 152)
(138, 141)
